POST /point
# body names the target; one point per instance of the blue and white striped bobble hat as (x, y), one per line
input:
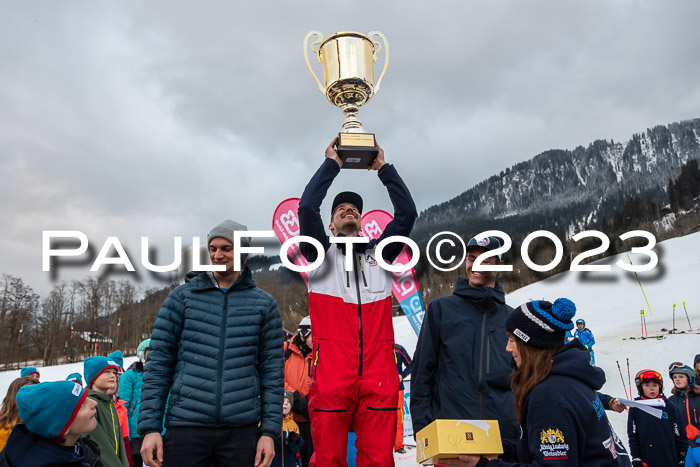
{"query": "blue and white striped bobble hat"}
(542, 324)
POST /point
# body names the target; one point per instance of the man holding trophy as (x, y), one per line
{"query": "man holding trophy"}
(354, 377)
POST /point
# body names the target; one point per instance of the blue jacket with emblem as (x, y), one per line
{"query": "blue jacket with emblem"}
(220, 354)
(657, 441)
(563, 420)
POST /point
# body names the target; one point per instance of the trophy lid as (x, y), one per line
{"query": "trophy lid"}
(336, 35)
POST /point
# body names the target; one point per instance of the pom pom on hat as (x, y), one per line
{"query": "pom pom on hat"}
(48, 409)
(563, 309)
(542, 324)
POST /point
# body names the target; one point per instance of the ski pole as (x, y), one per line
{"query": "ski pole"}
(674, 319)
(640, 286)
(621, 378)
(629, 380)
(644, 325)
(686, 316)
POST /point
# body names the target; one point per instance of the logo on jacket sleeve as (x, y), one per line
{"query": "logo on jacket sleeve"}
(371, 261)
(553, 445)
(551, 436)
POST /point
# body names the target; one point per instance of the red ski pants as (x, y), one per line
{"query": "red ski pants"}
(398, 442)
(341, 397)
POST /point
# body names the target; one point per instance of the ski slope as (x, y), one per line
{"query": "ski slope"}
(609, 302)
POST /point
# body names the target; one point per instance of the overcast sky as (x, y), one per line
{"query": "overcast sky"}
(161, 119)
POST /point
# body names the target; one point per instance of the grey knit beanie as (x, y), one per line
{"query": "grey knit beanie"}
(225, 230)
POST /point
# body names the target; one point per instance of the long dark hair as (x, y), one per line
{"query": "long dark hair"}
(535, 365)
(9, 416)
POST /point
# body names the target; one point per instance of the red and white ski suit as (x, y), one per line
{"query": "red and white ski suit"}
(354, 377)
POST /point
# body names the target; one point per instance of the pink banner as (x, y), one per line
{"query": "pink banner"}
(404, 284)
(285, 223)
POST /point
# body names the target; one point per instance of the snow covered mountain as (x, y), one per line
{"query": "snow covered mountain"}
(576, 186)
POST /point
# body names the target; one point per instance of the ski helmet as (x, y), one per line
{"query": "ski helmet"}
(644, 376)
(677, 368)
(141, 349)
(581, 321)
(304, 327)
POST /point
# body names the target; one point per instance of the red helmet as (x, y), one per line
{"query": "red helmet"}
(645, 376)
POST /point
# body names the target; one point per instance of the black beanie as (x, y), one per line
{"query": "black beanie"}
(542, 324)
(347, 197)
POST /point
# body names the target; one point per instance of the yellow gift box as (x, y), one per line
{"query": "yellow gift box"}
(446, 439)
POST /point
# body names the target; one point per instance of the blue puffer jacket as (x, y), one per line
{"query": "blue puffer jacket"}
(221, 356)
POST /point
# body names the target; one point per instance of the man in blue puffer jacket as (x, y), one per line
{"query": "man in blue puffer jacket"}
(217, 346)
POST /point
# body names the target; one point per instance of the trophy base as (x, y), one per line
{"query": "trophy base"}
(357, 150)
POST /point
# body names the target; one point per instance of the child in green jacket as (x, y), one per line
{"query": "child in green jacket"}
(101, 377)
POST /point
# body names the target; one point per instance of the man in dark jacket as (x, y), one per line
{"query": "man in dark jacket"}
(461, 368)
(217, 348)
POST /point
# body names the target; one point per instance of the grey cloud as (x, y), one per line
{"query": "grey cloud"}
(163, 117)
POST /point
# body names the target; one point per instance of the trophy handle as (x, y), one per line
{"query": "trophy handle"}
(318, 57)
(386, 55)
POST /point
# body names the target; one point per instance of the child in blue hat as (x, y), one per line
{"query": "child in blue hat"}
(75, 377)
(118, 357)
(54, 416)
(101, 378)
(29, 372)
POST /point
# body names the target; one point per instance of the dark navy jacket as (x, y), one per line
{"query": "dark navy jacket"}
(220, 354)
(688, 404)
(403, 363)
(563, 421)
(461, 369)
(25, 449)
(657, 441)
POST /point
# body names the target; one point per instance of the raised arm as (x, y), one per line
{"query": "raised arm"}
(310, 221)
(405, 212)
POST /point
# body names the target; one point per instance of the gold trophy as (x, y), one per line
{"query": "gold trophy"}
(347, 59)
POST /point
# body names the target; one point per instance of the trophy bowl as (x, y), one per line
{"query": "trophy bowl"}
(348, 60)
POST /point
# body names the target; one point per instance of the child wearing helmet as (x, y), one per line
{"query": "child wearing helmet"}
(655, 441)
(585, 335)
(686, 396)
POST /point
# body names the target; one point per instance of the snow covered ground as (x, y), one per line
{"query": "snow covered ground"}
(609, 302)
